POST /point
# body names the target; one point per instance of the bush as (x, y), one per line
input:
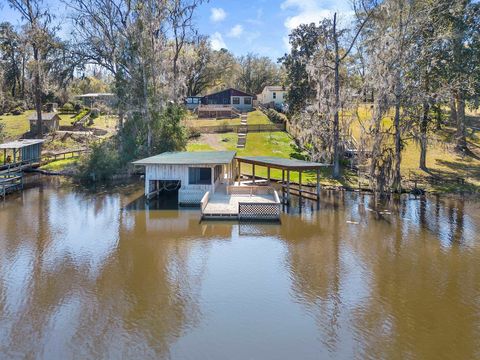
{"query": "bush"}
(101, 164)
(67, 108)
(79, 116)
(17, 111)
(194, 133)
(275, 116)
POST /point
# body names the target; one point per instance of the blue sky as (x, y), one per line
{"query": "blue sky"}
(242, 26)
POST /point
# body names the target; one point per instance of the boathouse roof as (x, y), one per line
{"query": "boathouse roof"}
(189, 158)
(281, 163)
(18, 144)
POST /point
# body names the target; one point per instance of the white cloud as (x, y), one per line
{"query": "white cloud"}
(308, 11)
(216, 41)
(217, 15)
(235, 31)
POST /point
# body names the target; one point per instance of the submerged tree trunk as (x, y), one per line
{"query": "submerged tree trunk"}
(461, 139)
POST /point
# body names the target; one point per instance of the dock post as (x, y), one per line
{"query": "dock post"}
(253, 173)
(318, 188)
(288, 186)
(268, 174)
(300, 184)
(239, 171)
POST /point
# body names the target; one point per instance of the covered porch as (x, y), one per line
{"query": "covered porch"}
(287, 166)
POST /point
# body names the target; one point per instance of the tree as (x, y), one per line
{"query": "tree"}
(389, 43)
(39, 34)
(325, 53)
(255, 72)
(303, 42)
(180, 13)
(461, 51)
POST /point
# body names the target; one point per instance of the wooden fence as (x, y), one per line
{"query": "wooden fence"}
(69, 154)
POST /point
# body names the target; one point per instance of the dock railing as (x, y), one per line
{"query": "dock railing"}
(261, 210)
(249, 190)
(204, 201)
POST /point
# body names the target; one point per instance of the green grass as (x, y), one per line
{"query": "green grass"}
(255, 117)
(106, 122)
(60, 165)
(66, 119)
(16, 125)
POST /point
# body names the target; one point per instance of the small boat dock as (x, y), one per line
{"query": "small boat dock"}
(18, 156)
(10, 182)
(241, 203)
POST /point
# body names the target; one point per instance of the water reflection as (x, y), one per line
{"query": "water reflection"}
(105, 275)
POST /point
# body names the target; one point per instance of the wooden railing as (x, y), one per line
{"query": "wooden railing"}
(204, 201)
(47, 158)
(260, 210)
(249, 190)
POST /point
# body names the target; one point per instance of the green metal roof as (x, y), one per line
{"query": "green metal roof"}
(281, 163)
(189, 158)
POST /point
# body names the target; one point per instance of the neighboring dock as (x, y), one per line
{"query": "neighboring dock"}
(10, 182)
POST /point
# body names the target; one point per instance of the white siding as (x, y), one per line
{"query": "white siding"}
(267, 96)
(187, 193)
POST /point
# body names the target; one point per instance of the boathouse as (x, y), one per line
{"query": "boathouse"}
(193, 174)
(21, 152)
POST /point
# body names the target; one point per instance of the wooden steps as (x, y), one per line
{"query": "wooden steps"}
(242, 132)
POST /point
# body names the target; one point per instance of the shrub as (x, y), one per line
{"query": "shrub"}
(67, 108)
(17, 111)
(79, 116)
(194, 133)
(101, 163)
(275, 116)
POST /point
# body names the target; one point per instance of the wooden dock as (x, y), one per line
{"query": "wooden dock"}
(242, 203)
(9, 183)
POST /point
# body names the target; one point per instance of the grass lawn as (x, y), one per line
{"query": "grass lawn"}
(106, 122)
(66, 119)
(255, 117)
(16, 125)
(60, 165)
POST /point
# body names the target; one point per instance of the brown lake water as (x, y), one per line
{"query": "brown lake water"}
(95, 275)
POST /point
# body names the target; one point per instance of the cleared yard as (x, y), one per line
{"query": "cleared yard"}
(16, 125)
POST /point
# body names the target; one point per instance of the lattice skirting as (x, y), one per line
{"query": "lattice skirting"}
(252, 211)
(190, 197)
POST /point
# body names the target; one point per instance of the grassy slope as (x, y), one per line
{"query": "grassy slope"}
(253, 118)
(16, 125)
(60, 165)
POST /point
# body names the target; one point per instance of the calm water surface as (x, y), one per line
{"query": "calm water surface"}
(97, 276)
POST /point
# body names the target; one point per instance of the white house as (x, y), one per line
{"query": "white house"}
(272, 96)
(192, 173)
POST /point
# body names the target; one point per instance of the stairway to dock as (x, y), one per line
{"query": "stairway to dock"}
(242, 132)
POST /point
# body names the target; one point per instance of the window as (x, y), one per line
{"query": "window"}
(247, 100)
(199, 176)
(274, 95)
(225, 101)
(236, 100)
